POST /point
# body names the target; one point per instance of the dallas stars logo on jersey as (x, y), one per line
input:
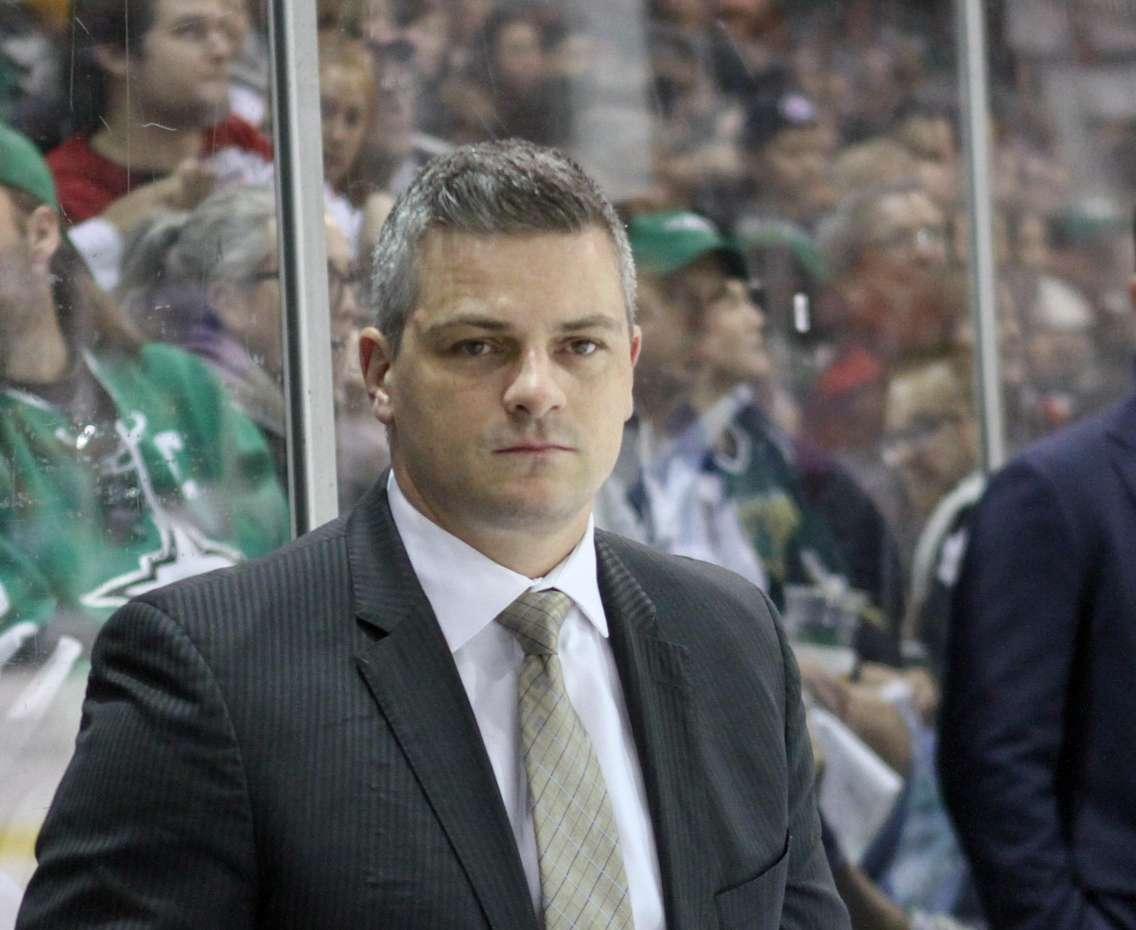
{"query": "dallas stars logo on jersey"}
(183, 550)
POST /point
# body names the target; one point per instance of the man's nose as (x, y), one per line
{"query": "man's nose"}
(534, 389)
(222, 45)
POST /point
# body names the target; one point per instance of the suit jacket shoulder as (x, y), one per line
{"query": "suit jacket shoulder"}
(702, 606)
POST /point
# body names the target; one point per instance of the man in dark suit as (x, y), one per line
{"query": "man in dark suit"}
(458, 705)
(1040, 690)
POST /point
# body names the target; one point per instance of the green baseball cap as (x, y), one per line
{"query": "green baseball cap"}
(666, 242)
(22, 167)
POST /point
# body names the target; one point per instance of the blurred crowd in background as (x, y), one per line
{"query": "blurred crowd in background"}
(793, 180)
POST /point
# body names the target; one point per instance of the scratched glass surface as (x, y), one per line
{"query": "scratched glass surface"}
(141, 375)
(824, 137)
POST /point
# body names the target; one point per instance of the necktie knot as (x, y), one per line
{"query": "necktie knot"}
(535, 619)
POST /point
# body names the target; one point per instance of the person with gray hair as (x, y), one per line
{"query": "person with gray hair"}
(202, 280)
(208, 281)
(459, 705)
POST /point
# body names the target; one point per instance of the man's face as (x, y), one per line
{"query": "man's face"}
(395, 114)
(796, 164)
(931, 438)
(507, 399)
(520, 58)
(343, 106)
(181, 75)
(908, 230)
(730, 347)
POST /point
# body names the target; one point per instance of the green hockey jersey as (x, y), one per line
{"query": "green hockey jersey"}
(182, 482)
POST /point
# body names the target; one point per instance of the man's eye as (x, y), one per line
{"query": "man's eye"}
(191, 29)
(583, 346)
(473, 348)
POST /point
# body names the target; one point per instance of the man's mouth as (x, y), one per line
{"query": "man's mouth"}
(533, 448)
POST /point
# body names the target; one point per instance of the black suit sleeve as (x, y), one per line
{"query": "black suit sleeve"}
(1012, 643)
(810, 897)
(151, 825)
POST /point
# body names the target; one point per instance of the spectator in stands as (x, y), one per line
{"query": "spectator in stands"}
(680, 501)
(209, 281)
(874, 163)
(156, 73)
(929, 134)
(1089, 249)
(514, 74)
(466, 22)
(750, 43)
(347, 90)
(150, 95)
(395, 149)
(789, 149)
(887, 299)
(1063, 380)
(705, 472)
(931, 437)
(695, 153)
(348, 113)
(126, 464)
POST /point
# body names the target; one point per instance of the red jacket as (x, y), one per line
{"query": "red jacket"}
(88, 183)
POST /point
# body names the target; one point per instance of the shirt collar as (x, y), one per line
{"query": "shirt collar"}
(467, 589)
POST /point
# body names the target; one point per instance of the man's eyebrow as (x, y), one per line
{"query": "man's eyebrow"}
(595, 321)
(468, 319)
(492, 324)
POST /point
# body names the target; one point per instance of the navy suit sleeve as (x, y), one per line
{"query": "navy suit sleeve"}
(1012, 640)
(151, 824)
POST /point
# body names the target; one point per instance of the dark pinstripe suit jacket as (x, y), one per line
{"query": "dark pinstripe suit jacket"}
(288, 744)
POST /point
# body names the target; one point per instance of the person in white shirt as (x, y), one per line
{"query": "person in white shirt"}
(458, 705)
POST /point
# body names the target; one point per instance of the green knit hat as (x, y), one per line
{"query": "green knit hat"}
(666, 242)
(22, 167)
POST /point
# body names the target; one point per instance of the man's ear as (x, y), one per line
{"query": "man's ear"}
(114, 61)
(43, 236)
(375, 359)
(636, 344)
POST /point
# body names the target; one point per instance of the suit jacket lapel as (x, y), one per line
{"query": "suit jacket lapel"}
(656, 684)
(411, 674)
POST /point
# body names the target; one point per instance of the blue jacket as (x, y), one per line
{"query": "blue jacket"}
(1039, 714)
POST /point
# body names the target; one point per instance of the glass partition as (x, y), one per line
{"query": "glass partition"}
(1065, 127)
(143, 426)
(815, 429)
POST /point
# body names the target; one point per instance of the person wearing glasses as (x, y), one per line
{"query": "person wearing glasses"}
(209, 280)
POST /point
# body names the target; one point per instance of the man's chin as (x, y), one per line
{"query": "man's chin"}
(522, 509)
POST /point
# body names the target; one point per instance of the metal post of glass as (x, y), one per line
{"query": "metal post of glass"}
(983, 268)
(312, 483)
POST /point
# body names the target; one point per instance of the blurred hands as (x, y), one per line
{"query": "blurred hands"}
(190, 183)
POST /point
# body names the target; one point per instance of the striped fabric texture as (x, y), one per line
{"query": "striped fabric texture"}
(583, 884)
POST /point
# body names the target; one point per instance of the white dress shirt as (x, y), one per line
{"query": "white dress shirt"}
(467, 590)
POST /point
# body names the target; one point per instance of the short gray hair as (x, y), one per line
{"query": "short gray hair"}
(844, 233)
(491, 188)
(224, 238)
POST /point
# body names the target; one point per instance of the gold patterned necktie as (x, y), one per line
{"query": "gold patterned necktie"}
(583, 884)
